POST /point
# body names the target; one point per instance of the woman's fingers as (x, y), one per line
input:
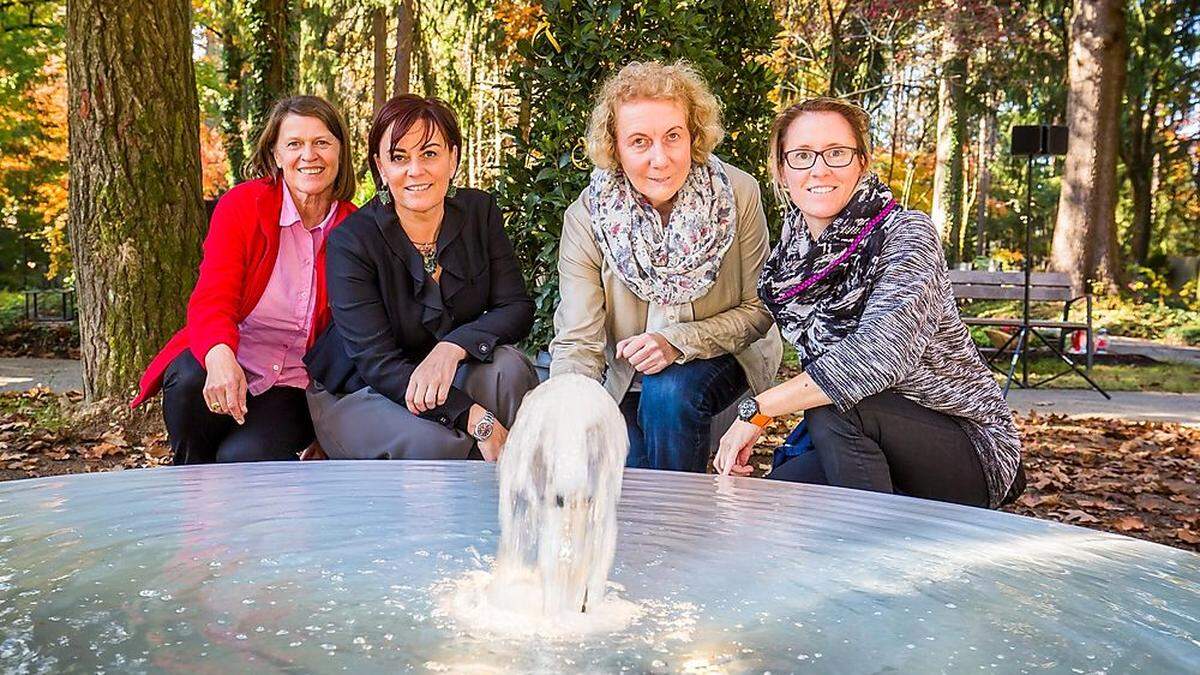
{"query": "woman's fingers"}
(410, 396)
(658, 366)
(721, 460)
(443, 391)
(631, 346)
(620, 348)
(420, 396)
(646, 355)
(227, 399)
(242, 388)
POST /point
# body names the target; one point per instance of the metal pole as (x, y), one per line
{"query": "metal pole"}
(1028, 269)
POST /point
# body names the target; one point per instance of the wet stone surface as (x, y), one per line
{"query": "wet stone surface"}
(276, 567)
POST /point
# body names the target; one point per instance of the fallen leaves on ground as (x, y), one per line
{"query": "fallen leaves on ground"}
(1136, 478)
(44, 434)
(1140, 479)
(39, 340)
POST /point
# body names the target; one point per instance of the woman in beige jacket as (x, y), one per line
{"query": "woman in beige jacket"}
(658, 266)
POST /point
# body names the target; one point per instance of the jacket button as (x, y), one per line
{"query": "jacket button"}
(483, 347)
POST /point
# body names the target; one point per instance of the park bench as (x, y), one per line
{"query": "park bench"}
(1043, 287)
(36, 306)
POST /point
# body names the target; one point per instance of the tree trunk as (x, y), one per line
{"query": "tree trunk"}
(983, 189)
(1139, 152)
(231, 104)
(422, 59)
(405, 25)
(951, 132)
(1143, 213)
(1085, 234)
(272, 63)
(135, 211)
(379, 38)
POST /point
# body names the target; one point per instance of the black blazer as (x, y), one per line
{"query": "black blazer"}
(388, 314)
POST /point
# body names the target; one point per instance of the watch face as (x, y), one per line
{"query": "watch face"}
(747, 408)
(483, 430)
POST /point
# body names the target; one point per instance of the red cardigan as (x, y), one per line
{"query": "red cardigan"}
(239, 257)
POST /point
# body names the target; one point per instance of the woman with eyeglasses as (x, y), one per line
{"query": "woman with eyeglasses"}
(894, 394)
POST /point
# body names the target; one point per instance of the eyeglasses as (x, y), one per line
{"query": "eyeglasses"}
(835, 157)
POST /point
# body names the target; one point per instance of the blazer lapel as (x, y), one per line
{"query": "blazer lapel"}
(403, 251)
(451, 252)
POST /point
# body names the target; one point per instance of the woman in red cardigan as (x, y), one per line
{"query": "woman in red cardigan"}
(233, 378)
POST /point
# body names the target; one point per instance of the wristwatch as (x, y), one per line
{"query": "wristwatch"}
(748, 412)
(485, 425)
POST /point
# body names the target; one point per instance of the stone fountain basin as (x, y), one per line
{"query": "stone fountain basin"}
(290, 567)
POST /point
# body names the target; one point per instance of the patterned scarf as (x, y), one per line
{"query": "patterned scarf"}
(817, 290)
(670, 264)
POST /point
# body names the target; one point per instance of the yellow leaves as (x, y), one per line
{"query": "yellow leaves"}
(544, 27)
(520, 18)
(214, 163)
(42, 157)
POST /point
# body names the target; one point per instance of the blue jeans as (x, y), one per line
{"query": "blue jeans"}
(670, 420)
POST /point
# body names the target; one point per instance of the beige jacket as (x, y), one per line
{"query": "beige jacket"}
(597, 310)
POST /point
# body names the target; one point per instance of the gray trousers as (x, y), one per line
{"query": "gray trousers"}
(369, 425)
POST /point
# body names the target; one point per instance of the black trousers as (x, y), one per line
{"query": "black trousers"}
(277, 427)
(887, 443)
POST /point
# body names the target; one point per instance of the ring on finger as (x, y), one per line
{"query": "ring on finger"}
(215, 406)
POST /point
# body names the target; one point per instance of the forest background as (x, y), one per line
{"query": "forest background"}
(945, 81)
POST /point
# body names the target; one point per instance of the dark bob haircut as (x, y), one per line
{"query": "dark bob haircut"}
(262, 162)
(406, 110)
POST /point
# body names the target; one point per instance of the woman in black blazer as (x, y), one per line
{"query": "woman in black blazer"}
(427, 300)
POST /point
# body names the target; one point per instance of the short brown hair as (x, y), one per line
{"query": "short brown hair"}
(406, 110)
(262, 161)
(859, 120)
(680, 82)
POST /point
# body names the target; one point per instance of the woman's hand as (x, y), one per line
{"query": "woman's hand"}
(430, 382)
(225, 386)
(733, 455)
(491, 448)
(648, 353)
(314, 451)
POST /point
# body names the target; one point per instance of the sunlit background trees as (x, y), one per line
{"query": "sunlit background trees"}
(945, 81)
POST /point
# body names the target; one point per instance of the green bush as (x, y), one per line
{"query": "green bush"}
(1188, 335)
(12, 307)
(557, 74)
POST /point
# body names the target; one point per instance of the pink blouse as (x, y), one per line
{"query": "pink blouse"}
(273, 337)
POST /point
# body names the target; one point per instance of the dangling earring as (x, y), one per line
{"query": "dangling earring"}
(453, 189)
(384, 194)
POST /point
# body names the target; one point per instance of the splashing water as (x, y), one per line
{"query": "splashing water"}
(560, 480)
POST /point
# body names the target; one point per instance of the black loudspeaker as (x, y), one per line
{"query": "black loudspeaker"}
(1041, 139)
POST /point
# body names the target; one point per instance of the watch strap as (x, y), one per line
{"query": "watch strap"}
(760, 420)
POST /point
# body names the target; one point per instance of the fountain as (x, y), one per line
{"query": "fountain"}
(349, 566)
(560, 480)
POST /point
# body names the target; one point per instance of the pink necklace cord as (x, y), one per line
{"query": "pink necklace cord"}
(800, 287)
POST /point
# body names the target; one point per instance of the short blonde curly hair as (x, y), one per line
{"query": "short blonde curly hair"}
(679, 81)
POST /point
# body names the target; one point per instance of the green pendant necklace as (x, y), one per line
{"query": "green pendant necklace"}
(428, 256)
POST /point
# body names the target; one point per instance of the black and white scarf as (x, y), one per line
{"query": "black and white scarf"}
(673, 263)
(817, 289)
